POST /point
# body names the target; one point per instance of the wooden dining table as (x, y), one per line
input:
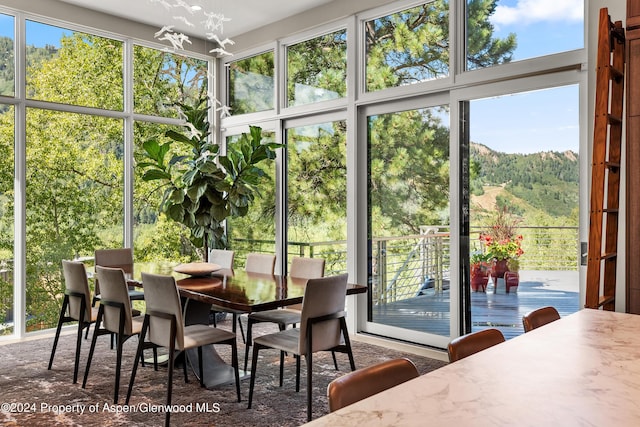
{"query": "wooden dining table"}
(582, 370)
(241, 291)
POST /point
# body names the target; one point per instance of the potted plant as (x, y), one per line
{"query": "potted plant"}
(204, 188)
(479, 263)
(503, 246)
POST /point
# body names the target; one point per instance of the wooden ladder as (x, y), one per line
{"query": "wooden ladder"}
(605, 167)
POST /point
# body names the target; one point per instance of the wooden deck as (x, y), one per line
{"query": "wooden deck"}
(430, 313)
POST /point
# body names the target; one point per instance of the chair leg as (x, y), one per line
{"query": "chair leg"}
(143, 334)
(241, 330)
(335, 361)
(254, 365)
(234, 363)
(65, 302)
(91, 350)
(155, 358)
(170, 382)
(347, 341)
(200, 369)
(309, 358)
(297, 356)
(184, 367)
(281, 367)
(76, 362)
(236, 319)
(119, 344)
(248, 341)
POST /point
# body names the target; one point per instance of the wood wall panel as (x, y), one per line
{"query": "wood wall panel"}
(632, 140)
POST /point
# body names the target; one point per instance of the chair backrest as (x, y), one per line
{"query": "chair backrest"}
(260, 263)
(469, 344)
(161, 295)
(222, 257)
(114, 289)
(540, 317)
(75, 279)
(360, 384)
(322, 296)
(115, 258)
(307, 268)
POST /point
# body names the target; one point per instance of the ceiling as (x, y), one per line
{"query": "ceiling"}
(244, 15)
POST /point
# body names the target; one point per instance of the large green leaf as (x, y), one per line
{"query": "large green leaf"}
(177, 136)
(219, 212)
(153, 174)
(176, 213)
(196, 191)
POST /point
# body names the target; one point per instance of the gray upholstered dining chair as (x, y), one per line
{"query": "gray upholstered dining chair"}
(322, 328)
(164, 327)
(116, 258)
(472, 343)
(76, 306)
(539, 317)
(114, 317)
(301, 268)
(355, 386)
(224, 258)
(256, 263)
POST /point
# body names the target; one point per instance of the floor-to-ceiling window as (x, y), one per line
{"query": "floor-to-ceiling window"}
(524, 148)
(409, 219)
(176, 80)
(72, 126)
(74, 161)
(7, 158)
(404, 61)
(404, 147)
(316, 202)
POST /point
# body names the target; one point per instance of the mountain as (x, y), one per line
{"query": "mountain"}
(546, 181)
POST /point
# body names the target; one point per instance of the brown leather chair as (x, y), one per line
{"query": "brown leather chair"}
(469, 344)
(360, 384)
(540, 317)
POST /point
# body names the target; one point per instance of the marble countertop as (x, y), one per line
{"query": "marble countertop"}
(581, 370)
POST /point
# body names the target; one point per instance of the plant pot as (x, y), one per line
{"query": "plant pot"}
(479, 283)
(498, 268)
(511, 280)
(479, 278)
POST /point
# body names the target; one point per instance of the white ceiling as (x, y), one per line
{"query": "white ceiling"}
(244, 15)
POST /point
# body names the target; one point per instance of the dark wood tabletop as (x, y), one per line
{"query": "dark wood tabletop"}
(248, 292)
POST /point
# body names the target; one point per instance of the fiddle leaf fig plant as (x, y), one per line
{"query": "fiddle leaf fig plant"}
(204, 188)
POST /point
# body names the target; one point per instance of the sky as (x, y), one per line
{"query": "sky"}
(542, 120)
(538, 121)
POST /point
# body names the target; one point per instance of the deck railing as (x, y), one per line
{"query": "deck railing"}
(407, 266)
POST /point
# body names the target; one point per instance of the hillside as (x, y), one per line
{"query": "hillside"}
(545, 181)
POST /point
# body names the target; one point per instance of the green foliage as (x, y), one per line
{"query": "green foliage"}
(204, 189)
(483, 50)
(547, 181)
(319, 63)
(409, 170)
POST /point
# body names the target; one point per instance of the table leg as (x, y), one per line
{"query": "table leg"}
(215, 370)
